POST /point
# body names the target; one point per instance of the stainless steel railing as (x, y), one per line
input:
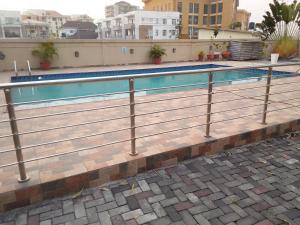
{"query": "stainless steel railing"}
(212, 90)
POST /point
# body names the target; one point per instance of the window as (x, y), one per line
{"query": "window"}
(164, 32)
(205, 20)
(213, 20)
(195, 19)
(206, 9)
(191, 8)
(156, 20)
(196, 8)
(156, 32)
(220, 7)
(219, 20)
(173, 21)
(164, 21)
(190, 19)
(173, 32)
(179, 6)
(213, 8)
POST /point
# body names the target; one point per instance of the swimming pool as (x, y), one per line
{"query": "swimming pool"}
(52, 94)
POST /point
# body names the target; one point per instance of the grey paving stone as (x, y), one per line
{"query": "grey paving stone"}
(92, 203)
(180, 195)
(201, 220)
(120, 199)
(132, 214)
(231, 217)
(246, 221)
(118, 210)
(117, 220)
(169, 201)
(64, 218)
(214, 213)
(79, 210)
(161, 221)
(156, 198)
(173, 214)
(80, 221)
(159, 210)
(187, 218)
(104, 218)
(144, 185)
(145, 206)
(146, 218)
(106, 206)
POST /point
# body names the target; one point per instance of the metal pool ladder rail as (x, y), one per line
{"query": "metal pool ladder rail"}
(132, 113)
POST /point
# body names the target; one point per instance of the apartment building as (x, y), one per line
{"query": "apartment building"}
(140, 25)
(196, 14)
(119, 8)
(54, 19)
(81, 17)
(35, 29)
(78, 30)
(243, 17)
(10, 24)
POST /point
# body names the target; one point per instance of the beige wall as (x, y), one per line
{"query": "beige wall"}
(101, 53)
(98, 53)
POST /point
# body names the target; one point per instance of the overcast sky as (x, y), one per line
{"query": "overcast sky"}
(95, 8)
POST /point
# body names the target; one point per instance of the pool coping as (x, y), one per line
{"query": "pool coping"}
(27, 194)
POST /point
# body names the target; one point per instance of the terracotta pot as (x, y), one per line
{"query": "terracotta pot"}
(226, 54)
(45, 65)
(210, 57)
(157, 60)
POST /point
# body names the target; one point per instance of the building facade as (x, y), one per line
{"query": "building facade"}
(196, 14)
(10, 24)
(118, 8)
(81, 17)
(54, 19)
(140, 25)
(243, 17)
(78, 30)
(35, 29)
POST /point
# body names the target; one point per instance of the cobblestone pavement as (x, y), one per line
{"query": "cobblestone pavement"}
(254, 184)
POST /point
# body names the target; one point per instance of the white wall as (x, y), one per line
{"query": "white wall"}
(205, 34)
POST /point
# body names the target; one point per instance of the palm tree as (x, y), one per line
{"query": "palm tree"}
(282, 20)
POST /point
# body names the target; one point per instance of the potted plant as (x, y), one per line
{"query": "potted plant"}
(226, 54)
(46, 51)
(156, 52)
(201, 56)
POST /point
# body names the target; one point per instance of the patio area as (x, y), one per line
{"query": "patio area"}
(256, 184)
(56, 176)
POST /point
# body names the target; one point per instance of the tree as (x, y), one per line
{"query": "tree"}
(281, 21)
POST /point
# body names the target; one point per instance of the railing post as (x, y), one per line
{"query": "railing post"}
(209, 103)
(268, 86)
(132, 117)
(15, 133)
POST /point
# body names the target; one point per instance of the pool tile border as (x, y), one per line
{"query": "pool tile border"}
(27, 194)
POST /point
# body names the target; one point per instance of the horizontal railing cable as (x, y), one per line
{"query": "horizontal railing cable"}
(74, 125)
(71, 112)
(173, 98)
(168, 110)
(66, 153)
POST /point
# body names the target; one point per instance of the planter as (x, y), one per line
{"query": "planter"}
(210, 57)
(200, 58)
(157, 61)
(225, 55)
(45, 65)
(274, 58)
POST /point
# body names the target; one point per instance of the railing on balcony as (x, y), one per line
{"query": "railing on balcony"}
(132, 114)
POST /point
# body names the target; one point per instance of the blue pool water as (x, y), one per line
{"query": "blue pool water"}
(58, 92)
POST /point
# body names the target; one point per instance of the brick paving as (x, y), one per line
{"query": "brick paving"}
(253, 184)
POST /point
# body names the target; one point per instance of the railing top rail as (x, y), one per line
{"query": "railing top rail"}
(142, 75)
